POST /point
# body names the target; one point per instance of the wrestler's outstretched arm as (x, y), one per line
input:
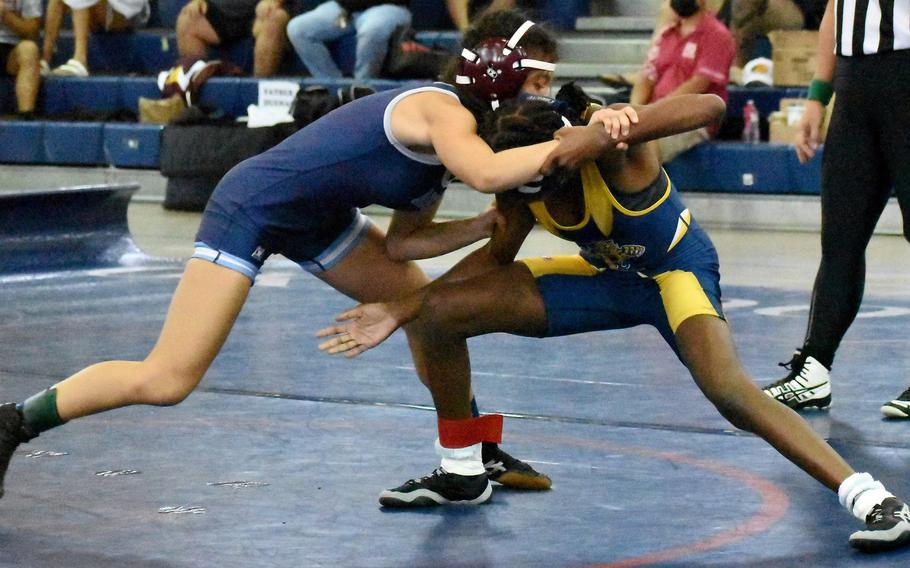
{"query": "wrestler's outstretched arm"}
(367, 325)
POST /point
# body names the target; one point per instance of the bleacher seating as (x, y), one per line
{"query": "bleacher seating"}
(125, 66)
(734, 167)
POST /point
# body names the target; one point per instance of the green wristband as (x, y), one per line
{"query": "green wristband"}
(820, 91)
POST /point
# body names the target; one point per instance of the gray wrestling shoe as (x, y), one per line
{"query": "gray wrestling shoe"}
(887, 527)
(439, 488)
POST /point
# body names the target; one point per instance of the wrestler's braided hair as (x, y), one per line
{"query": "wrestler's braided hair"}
(523, 123)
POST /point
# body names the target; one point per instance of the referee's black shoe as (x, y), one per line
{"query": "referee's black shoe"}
(887, 527)
(439, 488)
(13, 432)
(512, 472)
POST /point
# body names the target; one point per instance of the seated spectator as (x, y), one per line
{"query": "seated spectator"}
(749, 19)
(203, 23)
(373, 21)
(88, 16)
(20, 23)
(692, 55)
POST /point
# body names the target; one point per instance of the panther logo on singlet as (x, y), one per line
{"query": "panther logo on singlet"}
(614, 256)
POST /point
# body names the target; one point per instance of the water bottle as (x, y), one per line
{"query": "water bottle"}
(751, 126)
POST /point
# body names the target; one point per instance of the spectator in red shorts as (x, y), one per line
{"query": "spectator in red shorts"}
(692, 55)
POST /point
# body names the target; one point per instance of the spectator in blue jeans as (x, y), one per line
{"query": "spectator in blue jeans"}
(373, 20)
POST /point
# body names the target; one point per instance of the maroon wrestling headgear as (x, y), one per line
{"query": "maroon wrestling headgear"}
(496, 69)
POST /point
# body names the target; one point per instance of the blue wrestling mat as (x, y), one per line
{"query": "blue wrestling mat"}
(278, 458)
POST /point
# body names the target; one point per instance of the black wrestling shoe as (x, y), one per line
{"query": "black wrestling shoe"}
(887, 527)
(13, 432)
(899, 407)
(439, 488)
(503, 468)
(808, 384)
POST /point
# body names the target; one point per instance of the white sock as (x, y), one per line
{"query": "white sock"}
(859, 493)
(461, 461)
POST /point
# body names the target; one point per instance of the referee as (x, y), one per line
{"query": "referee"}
(864, 50)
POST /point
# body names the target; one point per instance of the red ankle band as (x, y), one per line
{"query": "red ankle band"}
(470, 431)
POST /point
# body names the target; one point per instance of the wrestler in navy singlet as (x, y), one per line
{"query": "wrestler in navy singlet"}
(651, 266)
(301, 198)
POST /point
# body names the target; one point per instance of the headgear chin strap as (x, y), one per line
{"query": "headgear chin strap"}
(497, 68)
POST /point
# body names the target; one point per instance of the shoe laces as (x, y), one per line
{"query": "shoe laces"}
(795, 365)
(795, 362)
(876, 515)
(436, 473)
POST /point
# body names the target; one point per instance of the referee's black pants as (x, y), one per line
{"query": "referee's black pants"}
(867, 153)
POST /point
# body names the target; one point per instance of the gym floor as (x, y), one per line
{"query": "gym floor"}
(278, 458)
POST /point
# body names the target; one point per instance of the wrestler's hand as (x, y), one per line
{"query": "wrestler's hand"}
(359, 329)
(808, 132)
(618, 122)
(487, 222)
(579, 144)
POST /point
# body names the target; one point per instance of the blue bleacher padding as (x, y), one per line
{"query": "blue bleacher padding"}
(344, 52)
(807, 177)
(448, 39)
(21, 142)
(131, 88)
(733, 167)
(132, 145)
(7, 95)
(224, 93)
(113, 52)
(154, 18)
(73, 143)
(230, 94)
(693, 170)
(430, 15)
(63, 94)
(752, 168)
(562, 13)
(154, 51)
(167, 12)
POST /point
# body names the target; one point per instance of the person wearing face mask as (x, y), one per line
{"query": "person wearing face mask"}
(690, 56)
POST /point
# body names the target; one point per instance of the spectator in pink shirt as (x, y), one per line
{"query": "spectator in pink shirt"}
(691, 55)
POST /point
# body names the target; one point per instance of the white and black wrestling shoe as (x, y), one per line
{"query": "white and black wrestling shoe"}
(899, 407)
(887, 527)
(439, 488)
(808, 384)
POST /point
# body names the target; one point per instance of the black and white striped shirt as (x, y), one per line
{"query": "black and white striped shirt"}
(871, 26)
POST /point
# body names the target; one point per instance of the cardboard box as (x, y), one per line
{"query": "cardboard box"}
(793, 54)
(779, 131)
(782, 124)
